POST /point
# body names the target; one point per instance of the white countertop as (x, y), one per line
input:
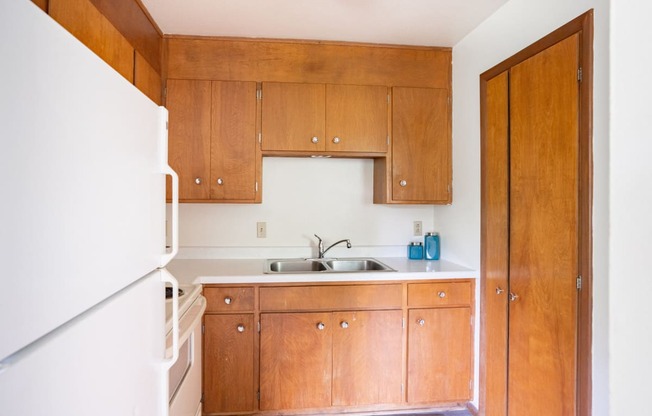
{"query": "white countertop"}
(229, 271)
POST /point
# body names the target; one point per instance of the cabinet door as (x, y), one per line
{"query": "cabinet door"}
(421, 157)
(295, 360)
(367, 357)
(233, 141)
(439, 355)
(356, 118)
(189, 136)
(293, 116)
(228, 363)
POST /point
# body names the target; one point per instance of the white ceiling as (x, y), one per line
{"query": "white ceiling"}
(405, 22)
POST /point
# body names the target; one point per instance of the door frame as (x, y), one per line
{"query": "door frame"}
(583, 25)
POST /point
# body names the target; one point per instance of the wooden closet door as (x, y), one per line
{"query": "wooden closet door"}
(543, 263)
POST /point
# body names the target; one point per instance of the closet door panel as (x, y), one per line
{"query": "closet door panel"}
(543, 235)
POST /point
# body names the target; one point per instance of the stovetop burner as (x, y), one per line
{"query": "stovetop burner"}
(168, 292)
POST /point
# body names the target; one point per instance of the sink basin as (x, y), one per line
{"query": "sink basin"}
(294, 266)
(328, 265)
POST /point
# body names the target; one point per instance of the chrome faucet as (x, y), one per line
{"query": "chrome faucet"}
(321, 245)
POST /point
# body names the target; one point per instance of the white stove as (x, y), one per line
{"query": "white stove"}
(185, 374)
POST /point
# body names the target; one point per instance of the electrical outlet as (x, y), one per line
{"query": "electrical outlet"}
(261, 229)
(418, 228)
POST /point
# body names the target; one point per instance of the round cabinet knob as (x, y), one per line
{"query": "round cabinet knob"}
(441, 294)
(220, 181)
(315, 139)
(344, 324)
(336, 140)
(241, 328)
(499, 290)
(421, 322)
(513, 297)
(403, 182)
(228, 300)
(321, 326)
(198, 181)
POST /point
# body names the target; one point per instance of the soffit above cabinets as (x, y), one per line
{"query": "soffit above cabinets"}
(410, 22)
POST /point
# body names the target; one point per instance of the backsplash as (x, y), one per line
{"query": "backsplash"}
(301, 197)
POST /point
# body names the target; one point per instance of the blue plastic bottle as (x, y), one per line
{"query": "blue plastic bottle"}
(432, 246)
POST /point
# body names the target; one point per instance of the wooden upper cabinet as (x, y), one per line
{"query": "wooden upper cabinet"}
(421, 149)
(356, 118)
(233, 141)
(293, 116)
(324, 118)
(189, 136)
(212, 140)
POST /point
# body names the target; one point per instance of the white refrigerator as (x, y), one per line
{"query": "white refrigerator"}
(83, 164)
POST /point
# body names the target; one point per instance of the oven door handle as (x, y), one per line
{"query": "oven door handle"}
(168, 278)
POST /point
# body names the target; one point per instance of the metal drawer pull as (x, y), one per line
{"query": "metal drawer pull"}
(499, 290)
(421, 322)
(321, 326)
(228, 300)
(220, 181)
(513, 297)
(241, 328)
(336, 140)
(344, 324)
(315, 139)
(403, 182)
(441, 294)
(198, 181)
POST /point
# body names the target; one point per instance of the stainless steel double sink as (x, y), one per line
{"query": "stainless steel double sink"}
(327, 265)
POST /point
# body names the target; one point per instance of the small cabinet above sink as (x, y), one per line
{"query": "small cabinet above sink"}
(328, 265)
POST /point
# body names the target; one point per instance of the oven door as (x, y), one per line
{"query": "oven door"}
(185, 374)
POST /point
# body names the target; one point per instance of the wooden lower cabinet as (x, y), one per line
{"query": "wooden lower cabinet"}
(229, 363)
(308, 348)
(439, 355)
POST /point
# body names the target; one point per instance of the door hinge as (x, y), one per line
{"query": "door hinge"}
(579, 74)
(579, 282)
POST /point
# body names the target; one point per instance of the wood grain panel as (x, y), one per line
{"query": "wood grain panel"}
(544, 231)
(439, 351)
(228, 382)
(292, 115)
(43, 4)
(229, 299)
(357, 115)
(421, 145)
(336, 297)
(147, 79)
(296, 361)
(233, 141)
(440, 294)
(367, 354)
(134, 23)
(95, 31)
(308, 62)
(189, 136)
(495, 247)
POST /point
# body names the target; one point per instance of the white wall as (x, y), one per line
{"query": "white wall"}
(301, 197)
(513, 27)
(630, 226)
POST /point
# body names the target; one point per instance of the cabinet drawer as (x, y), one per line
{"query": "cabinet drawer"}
(334, 297)
(225, 299)
(440, 294)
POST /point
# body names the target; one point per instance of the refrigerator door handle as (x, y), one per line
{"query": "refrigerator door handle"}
(163, 146)
(168, 278)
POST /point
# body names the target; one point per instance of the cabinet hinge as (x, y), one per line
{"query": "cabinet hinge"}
(403, 323)
(579, 282)
(167, 125)
(388, 140)
(165, 93)
(260, 138)
(389, 99)
(258, 395)
(402, 388)
(579, 74)
(256, 186)
(203, 328)
(259, 94)
(258, 331)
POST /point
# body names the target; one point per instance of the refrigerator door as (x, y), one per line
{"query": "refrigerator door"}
(106, 361)
(83, 211)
